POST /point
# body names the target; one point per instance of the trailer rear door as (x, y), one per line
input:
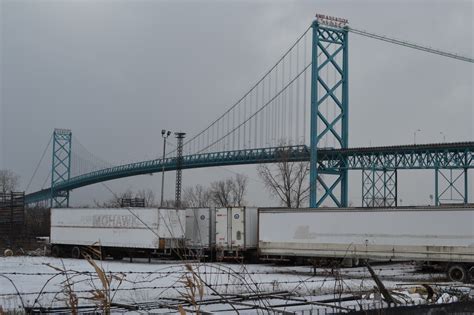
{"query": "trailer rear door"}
(222, 227)
(238, 227)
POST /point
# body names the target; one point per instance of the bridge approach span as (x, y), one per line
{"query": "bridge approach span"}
(459, 155)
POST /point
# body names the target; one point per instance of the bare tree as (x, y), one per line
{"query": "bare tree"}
(197, 196)
(286, 180)
(115, 201)
(229, 192)
(8, 181)
(148, 196)
(238, 189)
(220, 192)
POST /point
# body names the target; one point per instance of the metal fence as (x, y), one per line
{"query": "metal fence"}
(132, 203)
(12, 216)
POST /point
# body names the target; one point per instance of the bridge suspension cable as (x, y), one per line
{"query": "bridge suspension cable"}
(269, 113)
(39, 163)
(410, 45)
(256, 112)
(252, 122)
(242, 114)
(83, 161)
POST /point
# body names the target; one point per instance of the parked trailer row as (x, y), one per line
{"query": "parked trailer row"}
(444, 236)
(220, 233)
(439, 235)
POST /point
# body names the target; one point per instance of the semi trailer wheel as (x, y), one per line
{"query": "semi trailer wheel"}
(56, 251)
(457, 272)
(470, 274)
(76, 252)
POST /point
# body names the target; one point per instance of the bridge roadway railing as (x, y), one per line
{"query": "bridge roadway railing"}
(458, 155)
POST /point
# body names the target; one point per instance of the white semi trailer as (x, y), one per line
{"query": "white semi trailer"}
(236, 232)
(441, 235)
(118, 232)
(200, 233)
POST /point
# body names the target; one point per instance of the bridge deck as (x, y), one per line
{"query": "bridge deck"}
(422, 156)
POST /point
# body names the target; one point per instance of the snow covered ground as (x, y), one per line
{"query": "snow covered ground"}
(45, 281)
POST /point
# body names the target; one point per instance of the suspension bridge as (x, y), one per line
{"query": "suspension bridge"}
(299, 110)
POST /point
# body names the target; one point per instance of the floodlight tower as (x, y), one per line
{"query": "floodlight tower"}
(179, 164)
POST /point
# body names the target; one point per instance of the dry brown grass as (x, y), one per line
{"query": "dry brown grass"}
(71, 299)
(194, 288)
(102, 295)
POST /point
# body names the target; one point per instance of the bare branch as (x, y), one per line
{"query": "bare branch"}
(287, 181)
(229, 192)
(9, 181)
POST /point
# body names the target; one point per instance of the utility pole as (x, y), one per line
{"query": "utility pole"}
(165, 134)
(179, 164)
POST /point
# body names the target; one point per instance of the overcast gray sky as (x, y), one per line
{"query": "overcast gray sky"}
(117, 72)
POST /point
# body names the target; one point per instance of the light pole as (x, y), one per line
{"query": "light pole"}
(165, 134)
(444, 136)
(414, 135)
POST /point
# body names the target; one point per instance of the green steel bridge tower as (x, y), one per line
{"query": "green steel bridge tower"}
(61, 167)
(332, 44)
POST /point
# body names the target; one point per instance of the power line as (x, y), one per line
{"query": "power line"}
(410, 45)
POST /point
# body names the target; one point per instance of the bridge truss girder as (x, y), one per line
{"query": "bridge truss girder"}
(379, 188)
(451, 186)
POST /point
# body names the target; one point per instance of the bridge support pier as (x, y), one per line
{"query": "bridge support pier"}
(329, 55)
(379, 188)
(451, 186)
(61, 166)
